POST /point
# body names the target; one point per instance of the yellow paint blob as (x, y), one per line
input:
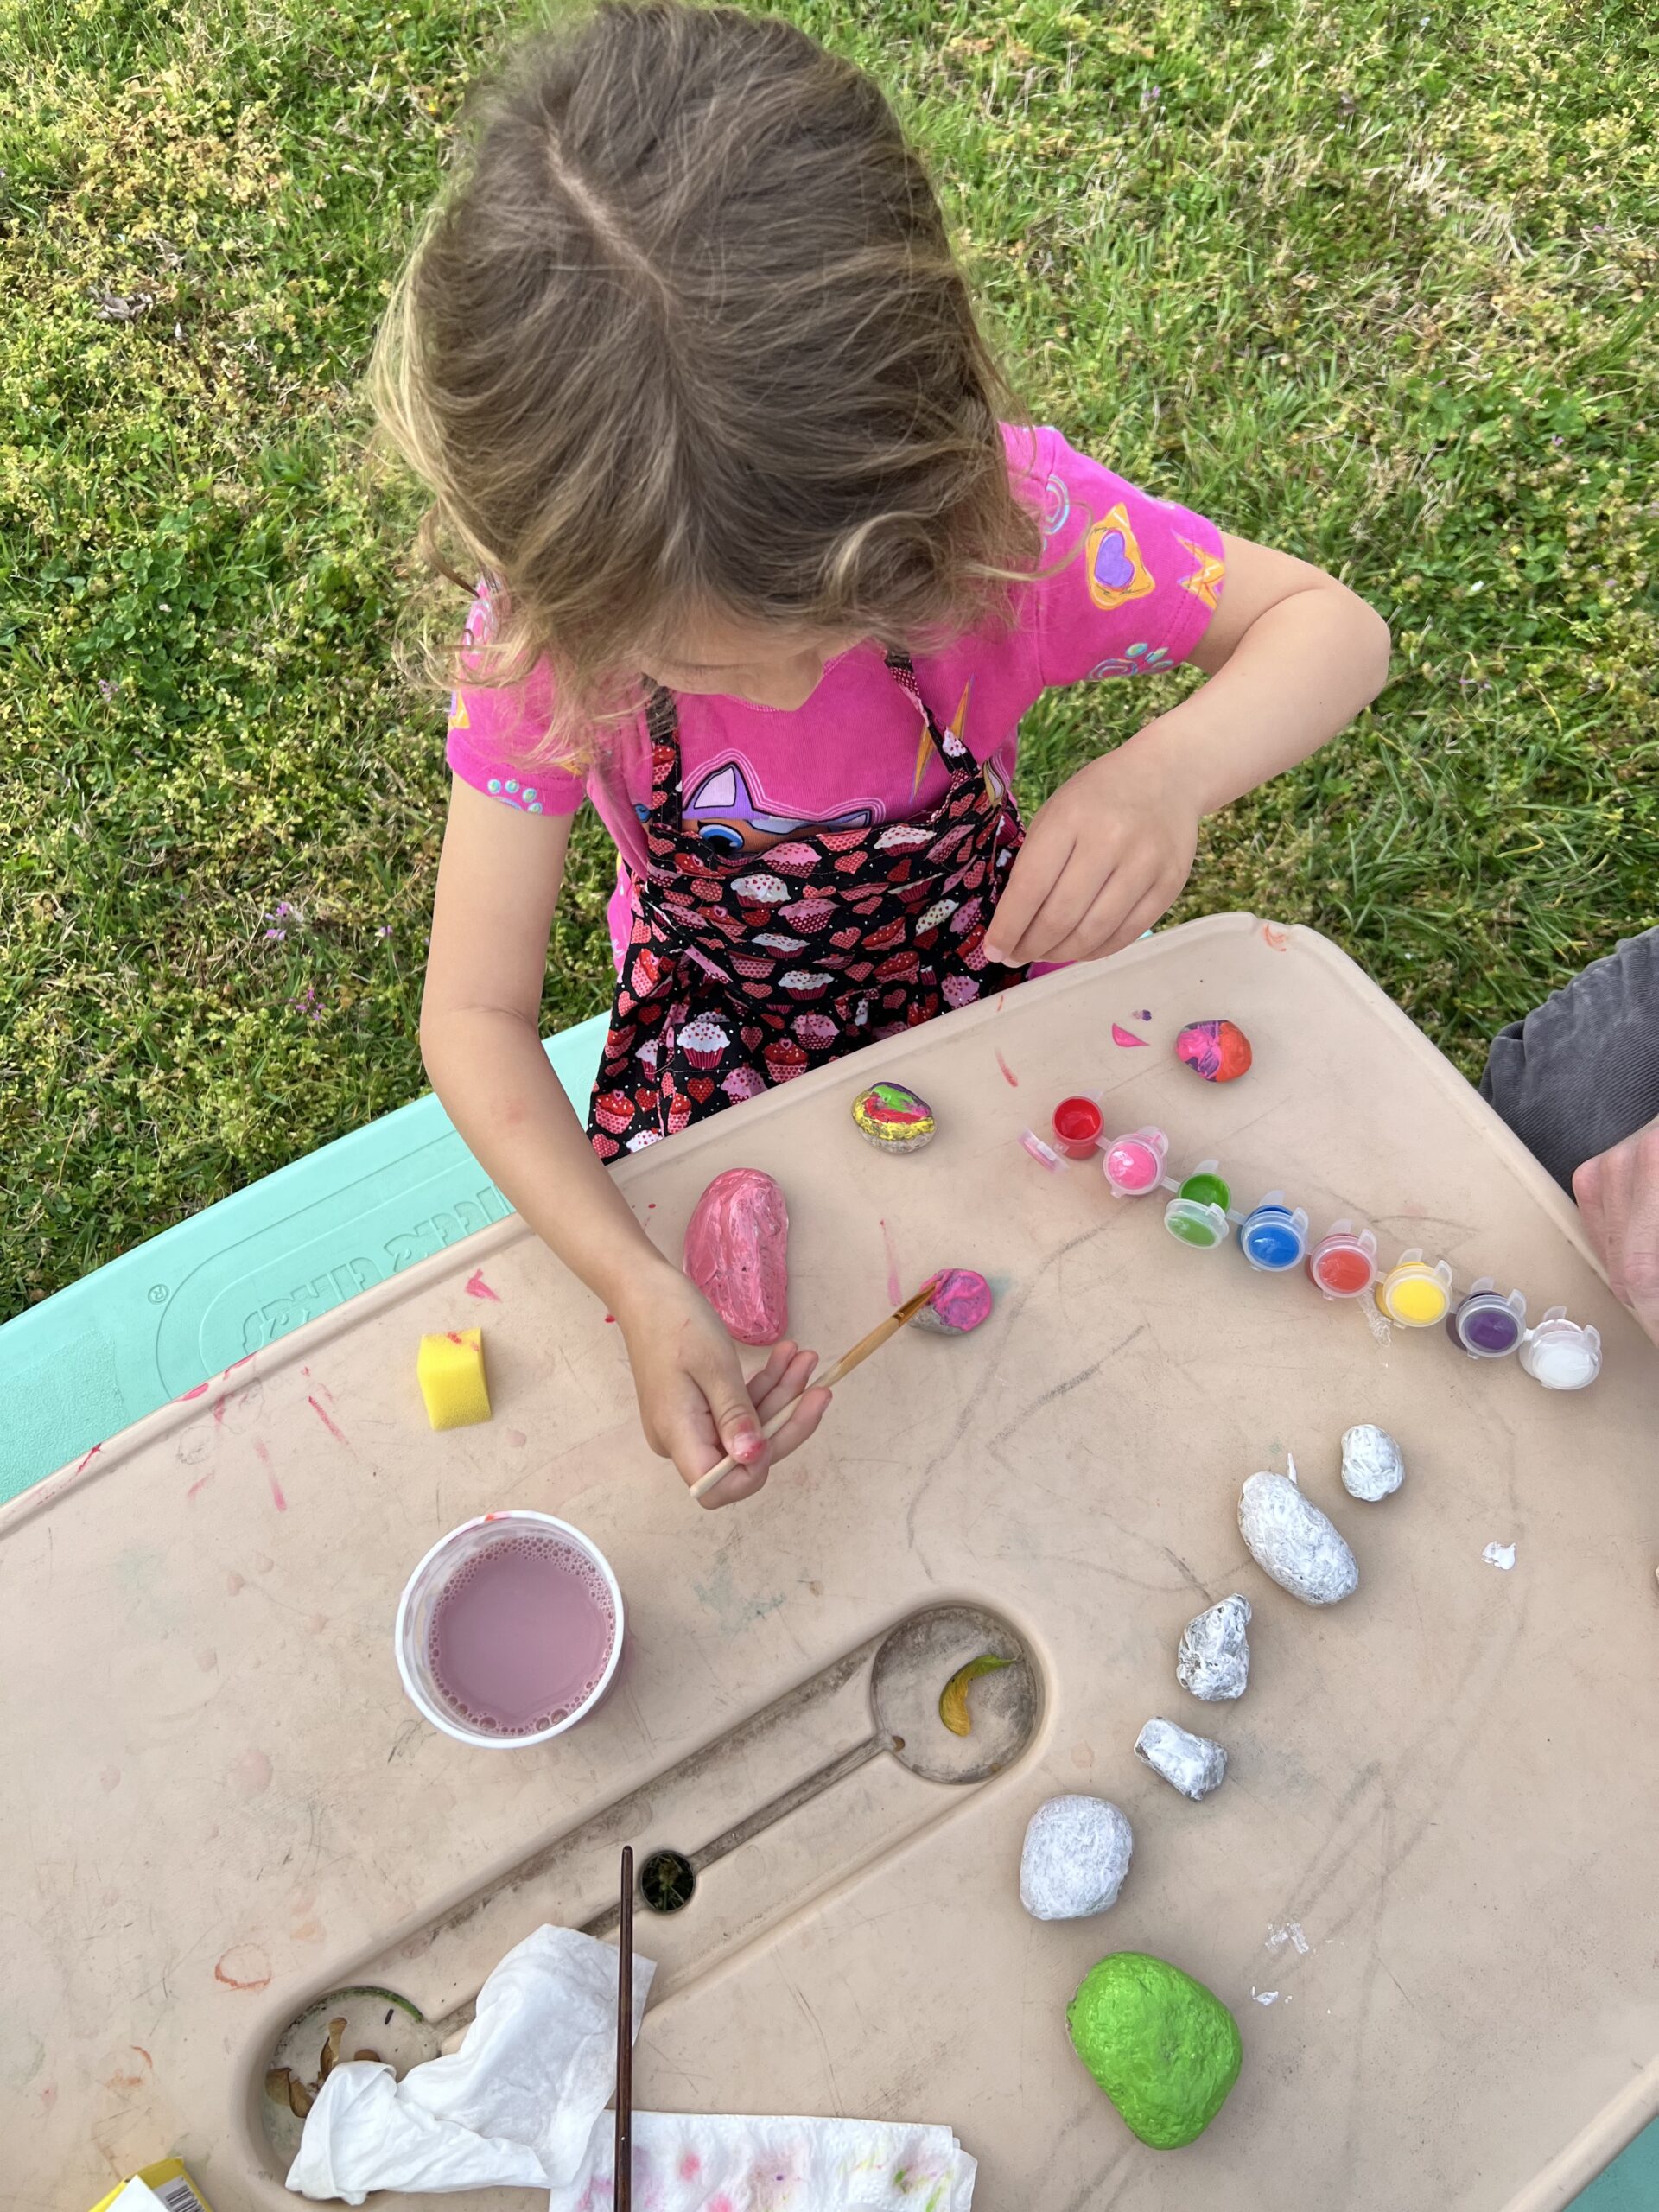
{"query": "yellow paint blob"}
(1418, 1300)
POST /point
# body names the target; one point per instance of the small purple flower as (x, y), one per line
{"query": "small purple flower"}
(275, 937)
(386, 930)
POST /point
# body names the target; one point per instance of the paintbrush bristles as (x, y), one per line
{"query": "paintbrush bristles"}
(842, 1368)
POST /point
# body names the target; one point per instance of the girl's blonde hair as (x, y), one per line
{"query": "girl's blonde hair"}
(688, 335)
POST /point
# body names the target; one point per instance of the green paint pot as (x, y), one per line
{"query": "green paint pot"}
(1164, 2049)
(1207, 1189)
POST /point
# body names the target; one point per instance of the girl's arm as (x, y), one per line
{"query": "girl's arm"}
(1292, 656)
(497, 885)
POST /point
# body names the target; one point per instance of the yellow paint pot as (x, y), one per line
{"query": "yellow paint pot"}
(1414, 1293)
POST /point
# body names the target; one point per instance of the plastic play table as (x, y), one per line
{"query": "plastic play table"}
(220, 1808)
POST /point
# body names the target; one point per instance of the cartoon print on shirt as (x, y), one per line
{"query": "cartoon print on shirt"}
(1204, 578)
(1113, 569)
(459, 717)
(723, 812)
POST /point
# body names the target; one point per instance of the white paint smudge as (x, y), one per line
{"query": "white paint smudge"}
(1265, 1996)
(1499, 1556)
(1290, 1933)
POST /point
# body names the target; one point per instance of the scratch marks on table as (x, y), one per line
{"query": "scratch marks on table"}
(407, 1730)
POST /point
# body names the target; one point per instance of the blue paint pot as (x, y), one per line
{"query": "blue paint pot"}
(1274, 1238)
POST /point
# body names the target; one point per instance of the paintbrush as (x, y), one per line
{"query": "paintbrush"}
(622, 2163)
(842, 1368)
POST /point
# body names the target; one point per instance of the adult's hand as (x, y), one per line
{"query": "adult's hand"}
(1618, 1193)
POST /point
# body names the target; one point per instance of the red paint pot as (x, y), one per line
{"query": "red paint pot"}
(1077, 1127)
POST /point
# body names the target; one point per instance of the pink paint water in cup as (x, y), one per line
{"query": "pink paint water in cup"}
(1134, 1163)
(509, 1631)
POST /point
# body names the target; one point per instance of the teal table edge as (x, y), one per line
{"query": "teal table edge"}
(195, 1299)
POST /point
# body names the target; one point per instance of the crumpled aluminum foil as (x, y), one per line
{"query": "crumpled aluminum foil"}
(1291, 1540)
(1213, 1662)
(1191, 1763)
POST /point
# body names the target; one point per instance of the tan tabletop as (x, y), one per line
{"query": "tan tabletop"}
(220, 1806)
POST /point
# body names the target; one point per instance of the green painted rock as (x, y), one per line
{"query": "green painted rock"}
(1164, 2049)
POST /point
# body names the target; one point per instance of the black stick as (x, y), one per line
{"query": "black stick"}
(622, 2164)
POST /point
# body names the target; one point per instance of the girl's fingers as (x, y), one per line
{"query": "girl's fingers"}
(784, 1375)
(801, 1424)
(1040, 864)
(1139, 919)
(1123, 895)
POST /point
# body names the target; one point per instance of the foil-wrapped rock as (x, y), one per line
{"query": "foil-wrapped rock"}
(1214, 1659)
(1372, 1466)
(737, 1254)
(1191, 1763)
(1291, 1540)
(1076, 1854)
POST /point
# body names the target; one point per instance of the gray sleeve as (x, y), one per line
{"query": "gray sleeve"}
(1581, 1071)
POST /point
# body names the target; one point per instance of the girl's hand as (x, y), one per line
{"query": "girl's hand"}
(693, 1404)
(1101, 860)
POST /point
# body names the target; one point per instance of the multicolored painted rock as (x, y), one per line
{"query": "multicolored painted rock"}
(893, 1118)
(1219, 1050)
(1165, 2049)
(737, 1254)
(961, 1301)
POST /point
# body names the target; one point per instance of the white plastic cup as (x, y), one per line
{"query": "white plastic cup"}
(413, 1633)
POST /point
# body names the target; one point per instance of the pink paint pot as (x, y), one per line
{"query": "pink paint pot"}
(510, 1631)
(1134, 1163)
(1077, 1126)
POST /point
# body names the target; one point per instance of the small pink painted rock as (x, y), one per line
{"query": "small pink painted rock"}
(1219, 1050)
(961, 1300)
(737, 1254)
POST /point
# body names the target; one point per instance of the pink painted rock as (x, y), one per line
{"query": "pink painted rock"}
(737, 1254)
(961, 1301)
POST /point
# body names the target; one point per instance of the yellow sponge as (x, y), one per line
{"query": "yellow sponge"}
(451, 1372)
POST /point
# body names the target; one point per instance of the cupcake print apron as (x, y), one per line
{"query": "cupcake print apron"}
(745, 970)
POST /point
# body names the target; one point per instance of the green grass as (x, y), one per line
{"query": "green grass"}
(1369, 283)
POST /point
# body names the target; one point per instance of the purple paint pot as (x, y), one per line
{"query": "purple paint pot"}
(510, 1631)
(1486, 1326)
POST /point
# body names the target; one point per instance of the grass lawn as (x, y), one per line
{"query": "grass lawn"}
(1372, 283)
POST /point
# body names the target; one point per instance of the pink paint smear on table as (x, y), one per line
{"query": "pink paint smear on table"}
(1125, 1036)
(1008, 1075)
(328, 1422)
(895, 1290)
(277, 1498)
(477, 1288)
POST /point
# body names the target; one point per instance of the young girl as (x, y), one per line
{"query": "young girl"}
(696, 386)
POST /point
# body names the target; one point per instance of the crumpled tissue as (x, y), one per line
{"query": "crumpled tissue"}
(521, 2104)
(513, 2108)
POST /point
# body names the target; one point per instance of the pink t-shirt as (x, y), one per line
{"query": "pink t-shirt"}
(1143, 581)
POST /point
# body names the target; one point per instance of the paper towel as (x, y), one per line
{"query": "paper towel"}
(521, 2104)
(729, 2162)
(514, 2107)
